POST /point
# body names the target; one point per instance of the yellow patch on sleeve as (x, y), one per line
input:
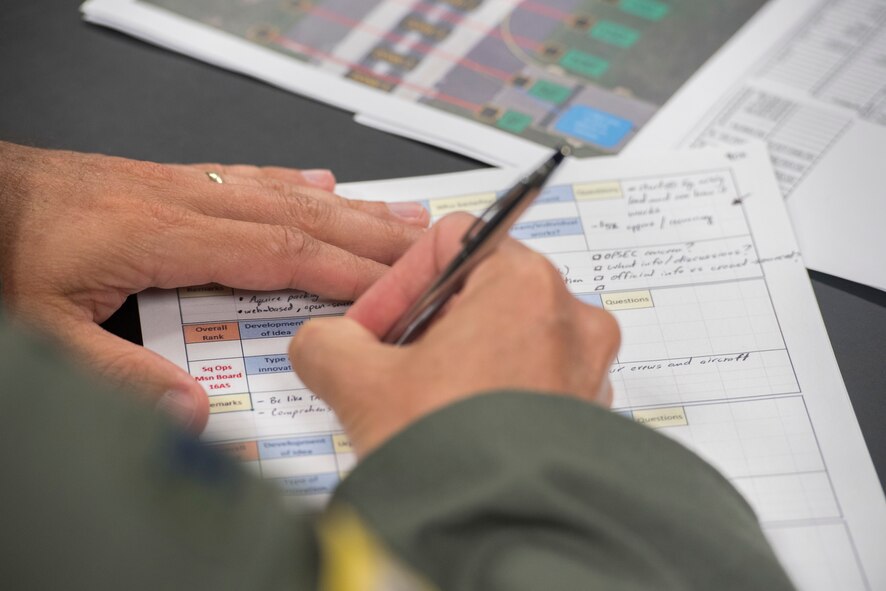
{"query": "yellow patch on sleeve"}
(353, 559)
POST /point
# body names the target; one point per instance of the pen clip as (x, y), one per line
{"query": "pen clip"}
(481, 237)
(500, 203)
(505, 202)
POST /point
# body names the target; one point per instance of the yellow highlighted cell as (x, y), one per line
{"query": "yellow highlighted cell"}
(673, 416)
(627, 300)
(342, 444)
(244, 451)
(413, 23)
(406, 62)
(370, 80)
(596, 191)
(202, 291)
(210, 333)
(229, 403)
(464, 203)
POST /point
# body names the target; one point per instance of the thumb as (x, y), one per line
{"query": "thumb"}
(165, 385)
(333, 357)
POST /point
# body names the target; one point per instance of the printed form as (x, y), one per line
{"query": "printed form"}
(723, 348)
(809, 79)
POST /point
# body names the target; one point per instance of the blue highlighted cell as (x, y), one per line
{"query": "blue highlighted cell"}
(315, 484)
(594, 126)
(263, 364)
(594, 299)
(263, 329)
(557, 194)
(295, 447)
(547, 229)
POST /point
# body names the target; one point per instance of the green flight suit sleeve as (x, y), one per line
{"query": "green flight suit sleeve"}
(518, 491)
(506, 491)
(98, 493)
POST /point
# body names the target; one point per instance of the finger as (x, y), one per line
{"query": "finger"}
(133, 367)
(602, 339)
(322, 347)
(315, 212)
(600, 329)
(315, 177)
(248, 255)
(322, 178)
(286, 181)
(318, 352)
(409, 212)
(382, 305)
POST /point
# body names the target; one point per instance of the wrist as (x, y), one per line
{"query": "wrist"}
(13, 162)
(16, 162)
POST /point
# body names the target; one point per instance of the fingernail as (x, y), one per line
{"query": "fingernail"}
(319, 177)
(407, 210)
(179, 406)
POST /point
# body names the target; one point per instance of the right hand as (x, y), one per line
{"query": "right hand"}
(514, 325)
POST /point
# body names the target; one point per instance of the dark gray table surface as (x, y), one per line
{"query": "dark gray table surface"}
(66, 84)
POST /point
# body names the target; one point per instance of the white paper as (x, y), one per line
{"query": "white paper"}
(809, 78)
(723, 346)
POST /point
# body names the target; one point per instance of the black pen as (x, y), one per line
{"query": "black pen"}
(480, 240)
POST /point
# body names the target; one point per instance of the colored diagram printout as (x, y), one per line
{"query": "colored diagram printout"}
(592, 72)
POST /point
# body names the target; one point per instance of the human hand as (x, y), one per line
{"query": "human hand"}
(514, 325)
(79, 233)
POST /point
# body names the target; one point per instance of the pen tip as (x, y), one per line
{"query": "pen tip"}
(563, 151)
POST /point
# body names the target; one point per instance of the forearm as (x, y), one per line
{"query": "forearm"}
(18, 165)
(520, 491)
(15, 163)
(12, 166)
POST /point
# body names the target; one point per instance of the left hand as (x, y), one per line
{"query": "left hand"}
(79, 233)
